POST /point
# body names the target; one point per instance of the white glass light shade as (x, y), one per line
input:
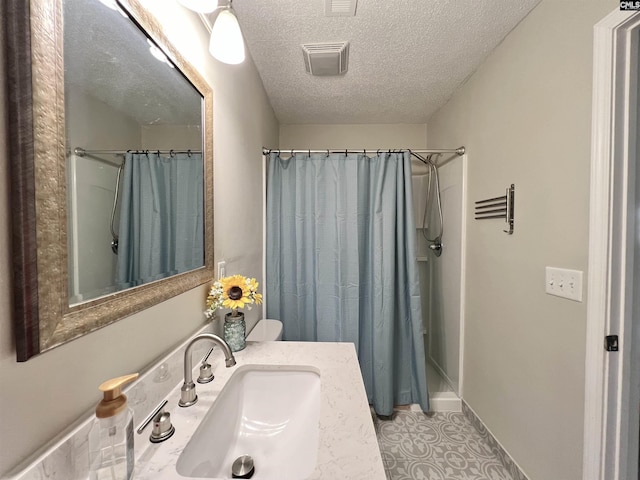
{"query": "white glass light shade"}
(226, 43)
(200, 6)
(158, 54)
(110, 3)
(113, 6)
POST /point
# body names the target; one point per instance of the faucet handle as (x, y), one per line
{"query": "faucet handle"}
(162, 427)
(206, 375)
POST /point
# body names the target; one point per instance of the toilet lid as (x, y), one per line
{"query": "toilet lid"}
(266, 330)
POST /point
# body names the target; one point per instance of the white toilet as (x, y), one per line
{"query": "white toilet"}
(266, 330)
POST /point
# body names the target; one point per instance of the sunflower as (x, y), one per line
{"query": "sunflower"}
(236, 293)
(232, 292)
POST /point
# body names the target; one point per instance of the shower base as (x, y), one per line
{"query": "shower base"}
(442, 398)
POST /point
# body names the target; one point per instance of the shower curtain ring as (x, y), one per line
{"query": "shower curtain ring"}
(309, 153)
(189, 153)
(172, 153)
(327, 153)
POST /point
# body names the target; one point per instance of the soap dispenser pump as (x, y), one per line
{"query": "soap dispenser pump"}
(111, 454)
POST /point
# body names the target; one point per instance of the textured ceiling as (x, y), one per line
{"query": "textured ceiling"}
(406, 57)
(107, 57)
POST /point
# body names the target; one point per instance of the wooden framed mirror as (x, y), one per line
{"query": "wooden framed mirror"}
(44, 87)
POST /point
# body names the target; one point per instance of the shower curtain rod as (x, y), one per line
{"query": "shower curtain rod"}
(81, 152)
(458, 151)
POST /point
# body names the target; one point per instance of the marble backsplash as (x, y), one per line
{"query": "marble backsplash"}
(67, 457)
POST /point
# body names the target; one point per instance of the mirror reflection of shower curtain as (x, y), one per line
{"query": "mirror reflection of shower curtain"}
(341, 265)
(161, 229)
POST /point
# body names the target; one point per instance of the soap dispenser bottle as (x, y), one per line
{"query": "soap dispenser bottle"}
(111, 454)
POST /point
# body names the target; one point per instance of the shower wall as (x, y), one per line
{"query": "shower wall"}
(443, 277)
(91, 192)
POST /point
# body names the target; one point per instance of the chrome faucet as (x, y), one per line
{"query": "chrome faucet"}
(188, 395)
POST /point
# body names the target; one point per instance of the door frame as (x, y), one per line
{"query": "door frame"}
(608, 393)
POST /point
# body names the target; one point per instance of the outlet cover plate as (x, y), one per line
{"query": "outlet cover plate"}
(565, 283)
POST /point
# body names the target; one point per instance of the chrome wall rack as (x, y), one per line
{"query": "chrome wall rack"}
(498, 207)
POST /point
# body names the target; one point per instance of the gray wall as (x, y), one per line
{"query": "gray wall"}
(43, 396)
(353, 136)
(525, 118)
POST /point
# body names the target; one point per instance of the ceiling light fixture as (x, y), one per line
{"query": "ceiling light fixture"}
(200, 6)
(227, 44)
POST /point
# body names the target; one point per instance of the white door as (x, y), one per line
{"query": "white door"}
(612, 388)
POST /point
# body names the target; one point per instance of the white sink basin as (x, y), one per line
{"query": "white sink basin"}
(271, 413)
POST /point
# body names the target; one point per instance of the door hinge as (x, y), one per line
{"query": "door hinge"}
(611, 343)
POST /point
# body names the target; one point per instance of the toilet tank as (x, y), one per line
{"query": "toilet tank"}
(266, 330)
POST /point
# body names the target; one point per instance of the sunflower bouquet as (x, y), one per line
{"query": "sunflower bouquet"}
(234, 292)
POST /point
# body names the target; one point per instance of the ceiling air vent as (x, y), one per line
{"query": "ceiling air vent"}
(326, 58)
(340, 8)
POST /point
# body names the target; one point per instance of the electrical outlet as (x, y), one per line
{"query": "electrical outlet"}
(564, 283)
(222, 269)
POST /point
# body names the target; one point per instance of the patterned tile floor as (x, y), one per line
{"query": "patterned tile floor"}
(444, 446)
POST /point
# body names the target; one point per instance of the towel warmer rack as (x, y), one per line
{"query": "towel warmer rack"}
(498, 207)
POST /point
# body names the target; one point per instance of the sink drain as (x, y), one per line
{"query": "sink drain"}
(243, 467)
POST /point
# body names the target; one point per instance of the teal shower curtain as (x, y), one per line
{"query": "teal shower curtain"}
(341, 265)
(161, 229)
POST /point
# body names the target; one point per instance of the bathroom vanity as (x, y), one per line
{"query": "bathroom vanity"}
(345, 441)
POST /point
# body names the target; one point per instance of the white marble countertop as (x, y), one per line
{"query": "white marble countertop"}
(348, 448)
